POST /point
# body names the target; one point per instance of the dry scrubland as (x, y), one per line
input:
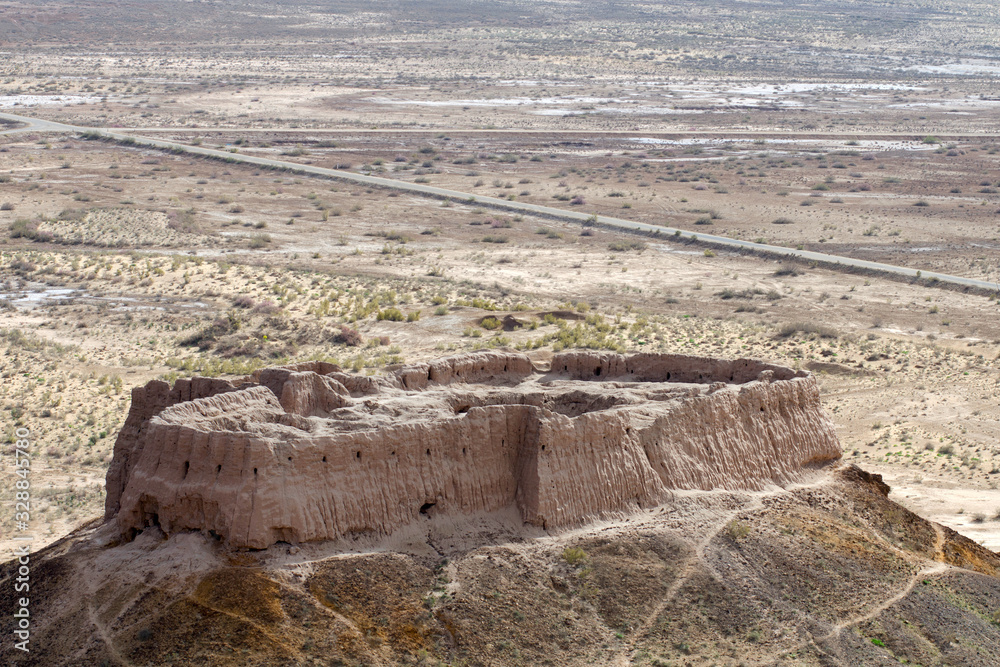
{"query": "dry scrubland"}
(263, 266)
(845, 129)
(540, 65)
(912, 393)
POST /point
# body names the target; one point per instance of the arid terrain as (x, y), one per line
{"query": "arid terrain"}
(864, 132)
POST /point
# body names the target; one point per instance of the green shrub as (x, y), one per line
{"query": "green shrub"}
(391, 315)
(28, 229)
(808, 328)
(260, 240)
(737, 530)
(624, 246)
(574, 555)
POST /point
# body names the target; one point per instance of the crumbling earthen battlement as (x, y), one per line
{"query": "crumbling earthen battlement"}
(308, 452)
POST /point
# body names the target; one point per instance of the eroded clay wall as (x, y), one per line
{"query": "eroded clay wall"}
(299, 457)
(664, 368)
(258, 488)
(147, 402)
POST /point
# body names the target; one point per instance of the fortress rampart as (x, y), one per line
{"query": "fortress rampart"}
(307, 452)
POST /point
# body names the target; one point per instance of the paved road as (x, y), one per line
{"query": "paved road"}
(37, 125)
(520, 207)
(625, 134)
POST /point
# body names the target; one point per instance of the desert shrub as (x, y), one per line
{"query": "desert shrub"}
(207, 336)
(577, 201)
(747, 293)
(413, 317)
(574, 555)
(808, 328)
(390, 315)
(260, 240)
(623, 246)
(28, 229)
(490, 323)
(181, 221)
(788, 270)
(6, 206)
(348, 336)
(495, 239)
(267, 307)
(782, 221)
(29, 342)
(21, 265)
(737, 530)
(244, 301)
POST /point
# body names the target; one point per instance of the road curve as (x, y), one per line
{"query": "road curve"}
(520, 207)
(36, 125)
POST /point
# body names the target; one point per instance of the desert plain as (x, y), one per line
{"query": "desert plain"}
(864, 136)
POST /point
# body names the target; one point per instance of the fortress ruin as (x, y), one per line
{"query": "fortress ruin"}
(307, 452)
